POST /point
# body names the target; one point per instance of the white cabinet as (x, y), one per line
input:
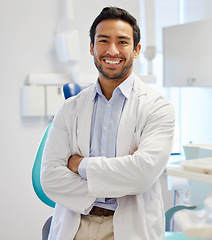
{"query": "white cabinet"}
(40, 101)
(187, 55)
(54, 99)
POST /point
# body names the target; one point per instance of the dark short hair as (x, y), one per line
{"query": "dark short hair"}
(116, 13)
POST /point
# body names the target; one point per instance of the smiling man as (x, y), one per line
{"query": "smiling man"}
(114, 49)
(109, 145)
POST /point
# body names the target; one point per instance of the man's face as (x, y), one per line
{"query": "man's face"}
(113, 49)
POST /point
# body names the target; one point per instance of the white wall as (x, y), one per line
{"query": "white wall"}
(26, 33)
(27, 29)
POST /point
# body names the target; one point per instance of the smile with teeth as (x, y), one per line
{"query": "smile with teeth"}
(112, 62)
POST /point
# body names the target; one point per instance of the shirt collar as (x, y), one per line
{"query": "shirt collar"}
(125, 87)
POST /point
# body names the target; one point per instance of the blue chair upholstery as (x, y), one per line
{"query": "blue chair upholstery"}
(71, 89)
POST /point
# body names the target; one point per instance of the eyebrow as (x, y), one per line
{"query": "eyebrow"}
(106, 36)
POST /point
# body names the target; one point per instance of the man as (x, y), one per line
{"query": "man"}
(109, 145)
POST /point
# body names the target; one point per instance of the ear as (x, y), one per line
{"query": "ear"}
(91, 49)
(137, 50)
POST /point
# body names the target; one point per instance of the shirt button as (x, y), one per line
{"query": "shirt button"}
(105, 128)
(108, 104)
(103, 151)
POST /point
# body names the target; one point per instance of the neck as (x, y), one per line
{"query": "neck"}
(109, 85)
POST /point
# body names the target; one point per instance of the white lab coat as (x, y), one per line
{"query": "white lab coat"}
(147, 122)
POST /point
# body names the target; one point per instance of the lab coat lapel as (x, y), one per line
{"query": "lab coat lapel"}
(127, 126)
(84, 116)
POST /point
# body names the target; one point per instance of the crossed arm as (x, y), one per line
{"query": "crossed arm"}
(75, 160)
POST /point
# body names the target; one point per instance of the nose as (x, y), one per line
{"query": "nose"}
(112, 49)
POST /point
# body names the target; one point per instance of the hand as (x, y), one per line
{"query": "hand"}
(74, 162)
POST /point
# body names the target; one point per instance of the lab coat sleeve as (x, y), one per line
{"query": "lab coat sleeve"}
(59, 183)
(135, 173)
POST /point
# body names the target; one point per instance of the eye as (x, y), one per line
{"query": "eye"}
(123, 42)
(103, 41)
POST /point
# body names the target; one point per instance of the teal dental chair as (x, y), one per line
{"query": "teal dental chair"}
(70, 90)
